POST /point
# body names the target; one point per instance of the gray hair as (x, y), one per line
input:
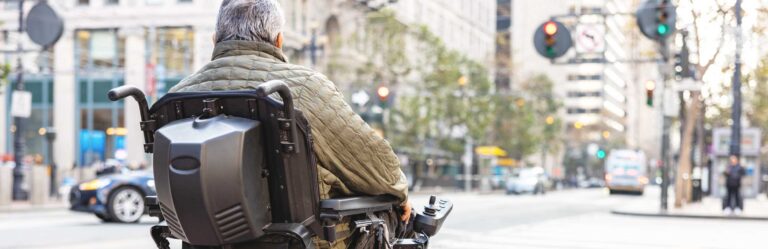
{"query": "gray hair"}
(249, 20)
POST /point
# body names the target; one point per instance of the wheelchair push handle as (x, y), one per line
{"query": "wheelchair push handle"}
(125, 91)
(288, 123)
(279, 87)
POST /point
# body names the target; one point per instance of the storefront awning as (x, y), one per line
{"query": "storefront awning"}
(490, 151)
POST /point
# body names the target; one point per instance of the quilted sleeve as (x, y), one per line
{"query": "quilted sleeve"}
(345, 145)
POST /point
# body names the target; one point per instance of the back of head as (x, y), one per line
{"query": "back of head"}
(249, 20)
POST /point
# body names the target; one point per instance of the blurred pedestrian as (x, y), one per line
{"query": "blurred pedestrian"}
(733, 175)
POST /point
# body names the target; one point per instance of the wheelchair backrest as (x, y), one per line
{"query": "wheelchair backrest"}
(227, 164)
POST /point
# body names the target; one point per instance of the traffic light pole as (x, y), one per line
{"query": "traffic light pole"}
(665, 126)
(18, 122)
(735, 146)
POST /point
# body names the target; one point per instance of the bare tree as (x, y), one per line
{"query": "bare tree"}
(693, 108)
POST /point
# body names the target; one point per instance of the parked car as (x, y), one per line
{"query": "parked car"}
(528, 180)
(114, 197)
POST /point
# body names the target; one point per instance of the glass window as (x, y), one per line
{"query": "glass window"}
(185, 1)
(83, 2)
(41, 115)
(12, 4)
(170, 54)
(98, 90)
(112, 2)
(99, 49)
(36, 143)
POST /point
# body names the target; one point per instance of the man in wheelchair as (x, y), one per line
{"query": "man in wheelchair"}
(236, 168)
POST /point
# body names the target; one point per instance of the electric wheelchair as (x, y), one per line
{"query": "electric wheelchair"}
(236, 169)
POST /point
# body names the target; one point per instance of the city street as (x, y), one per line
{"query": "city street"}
(563, 219)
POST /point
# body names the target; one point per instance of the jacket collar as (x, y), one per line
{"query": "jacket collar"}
(234, 48)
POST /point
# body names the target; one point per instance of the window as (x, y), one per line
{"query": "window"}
(83, 2)
(112, 2)
(171, 55)
(582, 110)
(12, 4)
(575, 77)
(185, 1)
(99, 49)
(575, 94)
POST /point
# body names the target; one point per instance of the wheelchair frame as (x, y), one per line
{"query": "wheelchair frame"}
(296, 211)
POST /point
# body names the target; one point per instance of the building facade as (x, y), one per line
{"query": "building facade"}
(466, 26)
(600, 86)
(150, 44)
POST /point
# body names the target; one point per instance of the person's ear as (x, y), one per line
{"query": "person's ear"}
(279, 40)
(213, 38)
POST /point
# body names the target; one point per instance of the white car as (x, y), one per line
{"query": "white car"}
(528, 180)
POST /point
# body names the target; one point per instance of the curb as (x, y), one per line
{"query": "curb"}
(689, 216)
(32, 209)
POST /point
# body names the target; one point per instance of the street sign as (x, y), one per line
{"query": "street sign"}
(671, 103)
(21, 104)
(592, 148)
(590, 38)
(360, 98)
(750, 141)
(44, 26)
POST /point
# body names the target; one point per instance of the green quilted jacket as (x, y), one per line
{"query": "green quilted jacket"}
(352, 158)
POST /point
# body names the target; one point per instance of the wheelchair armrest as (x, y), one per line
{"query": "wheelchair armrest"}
(334, 210)
(361, 203)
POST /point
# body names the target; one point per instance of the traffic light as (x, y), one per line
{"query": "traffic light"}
(682, 63)
(650, 87)
(656, 19)
(383, 93)
(552, 39)
(600, 154)
(550, 29)
(662, 28)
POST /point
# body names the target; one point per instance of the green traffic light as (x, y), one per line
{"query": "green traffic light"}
(550, 51)
(600, 154)
(662, 29)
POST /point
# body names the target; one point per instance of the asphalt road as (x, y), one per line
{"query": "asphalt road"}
(564, 219)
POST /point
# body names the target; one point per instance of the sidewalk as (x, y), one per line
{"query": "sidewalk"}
(19, 206)
(708, 208)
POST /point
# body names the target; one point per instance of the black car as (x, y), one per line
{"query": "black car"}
(114, 197)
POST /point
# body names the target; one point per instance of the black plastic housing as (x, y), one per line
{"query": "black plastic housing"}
(207, 183)
(232, 166)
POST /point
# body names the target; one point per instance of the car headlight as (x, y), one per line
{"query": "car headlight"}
(95, 184)
(151, 184)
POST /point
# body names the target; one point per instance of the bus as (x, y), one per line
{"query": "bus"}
(626, 171)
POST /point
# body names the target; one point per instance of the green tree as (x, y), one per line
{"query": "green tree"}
(527, 122)
(757, 97)
(440, 95)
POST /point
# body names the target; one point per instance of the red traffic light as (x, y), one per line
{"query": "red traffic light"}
(650, 85)
(383, 92)
(550, 28)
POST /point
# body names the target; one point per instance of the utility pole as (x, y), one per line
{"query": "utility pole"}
(43, 27)
(18, 122)
(665, 126)
(735, 148)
